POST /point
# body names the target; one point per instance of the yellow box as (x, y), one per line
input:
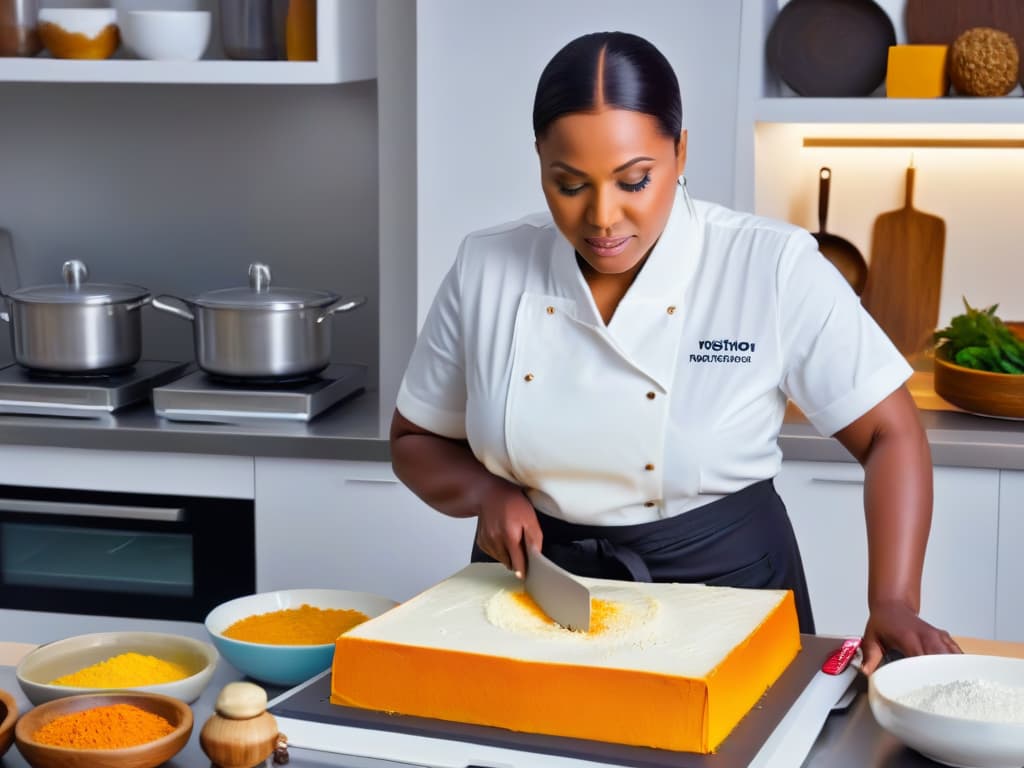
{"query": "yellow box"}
(917, 72)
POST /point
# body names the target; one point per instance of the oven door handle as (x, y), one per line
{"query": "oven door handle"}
(30, 506)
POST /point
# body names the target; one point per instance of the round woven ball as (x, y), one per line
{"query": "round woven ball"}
(984, 62)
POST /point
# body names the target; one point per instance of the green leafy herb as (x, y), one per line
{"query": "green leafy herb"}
(979, 339)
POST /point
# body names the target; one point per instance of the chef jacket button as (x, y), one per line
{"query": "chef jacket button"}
(649, 467)
(528, 377)
(550, 310)
(671, 310)
(650, 395)
(650, 504)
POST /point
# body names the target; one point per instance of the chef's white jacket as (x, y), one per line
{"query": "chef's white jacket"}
(678, 401)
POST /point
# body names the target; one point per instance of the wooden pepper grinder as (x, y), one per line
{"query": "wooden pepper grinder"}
(240, 733)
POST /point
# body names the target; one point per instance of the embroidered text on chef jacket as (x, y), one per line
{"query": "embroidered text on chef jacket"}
(679, 400)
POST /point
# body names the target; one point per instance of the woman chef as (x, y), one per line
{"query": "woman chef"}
(607, 381)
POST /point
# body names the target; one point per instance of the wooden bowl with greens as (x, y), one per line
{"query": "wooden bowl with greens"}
(979, 364)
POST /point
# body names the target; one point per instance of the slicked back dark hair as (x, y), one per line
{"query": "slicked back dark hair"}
(636, 76)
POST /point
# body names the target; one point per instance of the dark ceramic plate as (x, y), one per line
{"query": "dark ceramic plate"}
(836, 48)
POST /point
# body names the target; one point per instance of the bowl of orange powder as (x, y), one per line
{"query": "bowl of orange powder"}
(8, 717)
(286, 637)
(104, 730)
(144, 662)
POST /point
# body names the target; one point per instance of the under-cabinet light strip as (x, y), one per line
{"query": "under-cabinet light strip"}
(810, 141)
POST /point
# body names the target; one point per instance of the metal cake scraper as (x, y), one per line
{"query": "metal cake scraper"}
(557, 592)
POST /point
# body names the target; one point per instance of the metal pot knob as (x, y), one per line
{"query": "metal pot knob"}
(75, 273)
(259, 277)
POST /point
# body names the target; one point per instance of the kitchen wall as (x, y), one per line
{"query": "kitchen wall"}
(976, 191)
(179, 187)
(478, 65)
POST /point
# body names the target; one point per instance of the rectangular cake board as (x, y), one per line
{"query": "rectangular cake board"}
(306, 715)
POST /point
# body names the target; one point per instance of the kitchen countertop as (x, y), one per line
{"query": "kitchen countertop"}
(356, 430)
(850, 739)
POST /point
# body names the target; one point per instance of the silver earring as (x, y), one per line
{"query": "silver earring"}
(686, 196)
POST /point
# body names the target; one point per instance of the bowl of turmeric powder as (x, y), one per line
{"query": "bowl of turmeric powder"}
(286, 637)
(104, 730)
(146, 662)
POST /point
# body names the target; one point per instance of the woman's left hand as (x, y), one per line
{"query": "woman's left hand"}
(896, 626)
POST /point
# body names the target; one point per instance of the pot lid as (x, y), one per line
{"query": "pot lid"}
(259, 294)
(76, 290)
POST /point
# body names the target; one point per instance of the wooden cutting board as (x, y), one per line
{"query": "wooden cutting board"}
(991, 647)
(941, 21)
(905, 273)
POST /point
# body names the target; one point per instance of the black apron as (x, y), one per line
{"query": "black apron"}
(742, 540)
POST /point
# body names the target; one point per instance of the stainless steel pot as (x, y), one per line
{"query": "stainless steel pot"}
(76, 327)
(259, 331)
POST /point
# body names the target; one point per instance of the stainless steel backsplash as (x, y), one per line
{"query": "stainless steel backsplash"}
(179, 187)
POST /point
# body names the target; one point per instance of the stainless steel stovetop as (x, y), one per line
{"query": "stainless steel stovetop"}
(198, 397)
(25, 392)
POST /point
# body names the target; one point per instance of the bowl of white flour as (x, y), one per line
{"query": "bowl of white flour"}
(963, 710)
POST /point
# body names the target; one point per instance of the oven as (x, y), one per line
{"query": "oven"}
(124, 554)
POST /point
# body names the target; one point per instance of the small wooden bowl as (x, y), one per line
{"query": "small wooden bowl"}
(147, 755)
(981, 392)
(8, 716)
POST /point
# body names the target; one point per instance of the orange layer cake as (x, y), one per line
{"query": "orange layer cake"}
(670, 666)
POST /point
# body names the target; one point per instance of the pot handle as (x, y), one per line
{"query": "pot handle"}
(342, 305)
(160, 302)
(140, 303)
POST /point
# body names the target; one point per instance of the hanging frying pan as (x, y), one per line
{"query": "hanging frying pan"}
(831, 47)
(841, 252)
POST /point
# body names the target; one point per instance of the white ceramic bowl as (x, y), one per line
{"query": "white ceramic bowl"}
(284, 664)
(948, 740)
(167, 35)
(48, 662)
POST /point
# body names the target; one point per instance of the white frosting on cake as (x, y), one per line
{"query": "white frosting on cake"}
(689, 630)
(631, 621)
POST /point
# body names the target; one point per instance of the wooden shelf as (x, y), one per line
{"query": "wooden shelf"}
(41, 70)
(912, 143)
(795, 109)
(346, 46)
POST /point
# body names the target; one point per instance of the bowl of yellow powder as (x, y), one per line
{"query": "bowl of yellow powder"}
(287, 636)
(145, 662)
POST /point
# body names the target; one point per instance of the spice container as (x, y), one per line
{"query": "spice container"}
(19, 35)
(247, 29)
(240, 733)
(79, 33)
(300, 31)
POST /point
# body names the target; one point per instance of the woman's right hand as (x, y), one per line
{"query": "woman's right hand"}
(506, 525)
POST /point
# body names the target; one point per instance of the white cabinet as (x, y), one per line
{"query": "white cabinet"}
(826, 504)
(346, 51)
(350, 525)
(86, 469)
(1010, 590)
